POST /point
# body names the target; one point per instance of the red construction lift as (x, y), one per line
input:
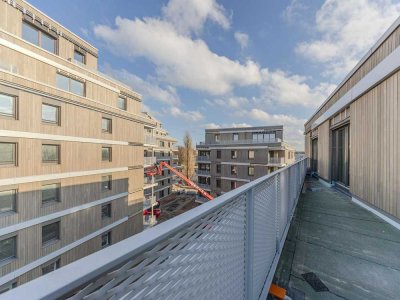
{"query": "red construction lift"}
(157, 170)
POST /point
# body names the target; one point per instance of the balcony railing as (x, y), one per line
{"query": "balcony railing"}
(227, 248)
(150, 140)
(204, 186)
(148, 161)
(232, 142)
(203, 158)
(149, 221)
(203, 172)
(276, 160)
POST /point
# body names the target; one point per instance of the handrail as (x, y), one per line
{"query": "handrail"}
(225, 248)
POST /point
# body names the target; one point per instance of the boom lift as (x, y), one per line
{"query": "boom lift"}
(157, 170)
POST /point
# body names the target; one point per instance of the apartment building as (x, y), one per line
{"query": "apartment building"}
(71, 148)
(158, 147)
(231, 157)
(352, 138)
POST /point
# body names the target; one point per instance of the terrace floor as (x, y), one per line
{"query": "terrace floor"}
(353, 253)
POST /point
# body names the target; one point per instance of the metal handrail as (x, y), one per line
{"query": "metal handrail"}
(226, 248)
(248, 141)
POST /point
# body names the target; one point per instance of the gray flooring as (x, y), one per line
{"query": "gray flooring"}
(353, 252)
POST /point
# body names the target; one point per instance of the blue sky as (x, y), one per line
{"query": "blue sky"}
(225, 63)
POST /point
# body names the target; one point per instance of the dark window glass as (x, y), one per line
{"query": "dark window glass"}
(218, 153)
(106, 211)
(50, 113)
(30, 34)
(106, 182)
(106, 239)
(51, 267)
(8, 201)
(51, 153)
(51, 232)
(7, 106)
(218, 168)
(8, 248)
(218, 183)
(7, 153)
(50, 193)
(121, 103)
(106, 153)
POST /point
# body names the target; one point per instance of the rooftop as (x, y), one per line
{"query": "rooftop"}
(352, 252)
(245, 129)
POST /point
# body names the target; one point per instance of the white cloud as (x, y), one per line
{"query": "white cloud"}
(149, 90)
(212, 126)
(230, 102)
(284, 88)
(347, 29)
(190, 15)
(191, 116)
(242, 39)
(178, 59)
(294, 11)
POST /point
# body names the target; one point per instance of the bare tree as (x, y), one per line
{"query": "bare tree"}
(186, 155)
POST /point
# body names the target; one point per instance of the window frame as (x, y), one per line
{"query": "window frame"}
(235, 137)
(248, 170)
(109, 239)
(58, 192)
(15, 199)
(109, 185)
(57, 264)
(81, 54)
(108, 213)
(234, 154)
(15, 155)
(218, 168)
(219, 154)
(40, 33)
(54, 162)
(109, 127)
(234, 170)
(248, 154)
(10, 258)
(58, 114)
(57, 235)
(14, 115)
(70, 79)
(109, 154)
(218, 182)
(125, 103)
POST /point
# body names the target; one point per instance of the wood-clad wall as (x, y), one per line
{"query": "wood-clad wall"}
(324, 151)
(387, 47)
(375, 144)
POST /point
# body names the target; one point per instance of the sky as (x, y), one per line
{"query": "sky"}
(226, 63)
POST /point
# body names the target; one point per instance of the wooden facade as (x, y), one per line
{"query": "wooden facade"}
(28, 74)
(373, 140)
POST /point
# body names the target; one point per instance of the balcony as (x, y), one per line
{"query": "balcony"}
(203, 158)
(149, 201)
(149, 161)
(227, 248)
(149, 221)
(149, 182)
(204, 186)
(276, 161)
(240, 142)
(150, 140)
(203, 172)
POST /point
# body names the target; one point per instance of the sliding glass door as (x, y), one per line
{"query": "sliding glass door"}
(341, 155)
(314, 155)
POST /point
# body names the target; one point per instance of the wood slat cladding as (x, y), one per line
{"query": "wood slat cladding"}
(324, 151)
(387, 47)
(375, 143)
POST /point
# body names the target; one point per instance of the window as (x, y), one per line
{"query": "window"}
(106, 125)
(161, 194)
(106, 211)
(218, 183)
(70, 85)
(79, 57)
(270, 136)
(8, 153)
(258, 136)
(233, 185)
(50, 193)
(251, 171)
(8, 249)
(235, 136)
(233, 170)
(217, 136)
(106, 153)
(51, 267)
(50, 233)
(51, 153)
(8, 200)
(162, 144)
(8, 106)
(50, 114)
(233, 154)
(38, 37)
(218, 153)
(121, 103)
(106, 182)
(251, 154)
(8, 286)
(218, 168)
(106, 239)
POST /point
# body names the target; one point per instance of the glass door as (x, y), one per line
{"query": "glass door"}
(341, 155)
(314, 155)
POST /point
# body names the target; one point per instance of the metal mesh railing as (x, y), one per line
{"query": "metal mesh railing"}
(227, 248)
